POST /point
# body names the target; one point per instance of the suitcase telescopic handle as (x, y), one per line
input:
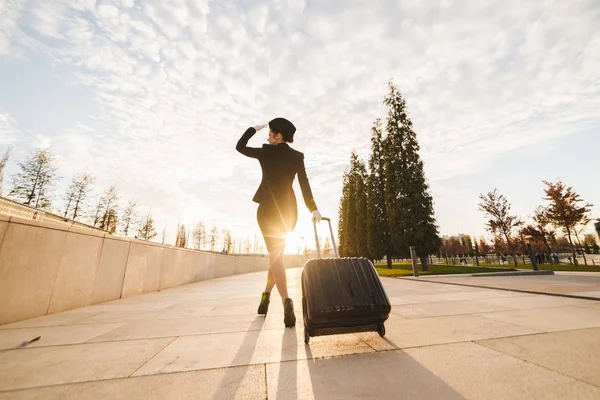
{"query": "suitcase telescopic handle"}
(335, 251)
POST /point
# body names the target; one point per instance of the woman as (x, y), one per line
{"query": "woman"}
(277, 209)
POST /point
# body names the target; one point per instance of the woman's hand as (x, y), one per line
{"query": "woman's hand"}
(316, 216)
(259, 127)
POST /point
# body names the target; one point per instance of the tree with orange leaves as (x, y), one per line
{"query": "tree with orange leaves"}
(501, 222)
(566, 209)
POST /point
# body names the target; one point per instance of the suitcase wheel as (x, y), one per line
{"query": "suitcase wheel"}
(381, 330)
(306, 335)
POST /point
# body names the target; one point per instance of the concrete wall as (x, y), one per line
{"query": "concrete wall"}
(48, 267)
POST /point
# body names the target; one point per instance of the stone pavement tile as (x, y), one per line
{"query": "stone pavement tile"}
(595, 294)
(438, 372)
(225, 383)
(536, 301)
(58, 319)
(387, 375)
(437, 330)
(118, 316)
(464, 296)
(399, 300)
(180, 327)
(252, 347)
(477, 372)
(121, 306)
(539, 283)
(593, 304)
(549, 319)
(53, 335)
(574, 353)
(248, 308)
(423, 310)
(44, 366)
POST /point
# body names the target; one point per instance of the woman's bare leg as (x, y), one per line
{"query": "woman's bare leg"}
(277, 271)
(270, 281)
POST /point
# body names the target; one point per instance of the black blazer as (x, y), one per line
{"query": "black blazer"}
(279, 165)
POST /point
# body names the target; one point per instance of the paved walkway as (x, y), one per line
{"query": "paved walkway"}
(585, 285)
(204, 341)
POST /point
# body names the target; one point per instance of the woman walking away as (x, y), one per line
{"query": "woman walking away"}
(277, 209)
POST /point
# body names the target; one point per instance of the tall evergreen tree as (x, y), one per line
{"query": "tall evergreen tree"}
(181, 239)
(344, 209)
(359, 187)
(32, 185)
(353, 210)
(378, 233)
(409, 204)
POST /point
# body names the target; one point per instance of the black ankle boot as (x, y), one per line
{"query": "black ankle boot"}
(264, 303)
(289, 318)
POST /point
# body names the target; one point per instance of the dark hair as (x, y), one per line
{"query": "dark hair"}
(283, 127)
(285, 135)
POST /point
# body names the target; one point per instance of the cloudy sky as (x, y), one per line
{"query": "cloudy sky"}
(152, 95)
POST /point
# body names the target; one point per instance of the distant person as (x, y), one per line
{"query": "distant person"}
(555, 257)
(277, 209)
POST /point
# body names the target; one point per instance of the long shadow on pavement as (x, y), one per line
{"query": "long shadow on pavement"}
(382, 375)
(231, 381)
(290, 375)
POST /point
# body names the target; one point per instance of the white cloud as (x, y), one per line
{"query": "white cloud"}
(8, 129)
(181, 80)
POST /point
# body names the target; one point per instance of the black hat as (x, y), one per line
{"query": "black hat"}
(285, 127)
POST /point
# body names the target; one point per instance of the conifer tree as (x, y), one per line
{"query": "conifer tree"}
(409, 204)
(378, 235)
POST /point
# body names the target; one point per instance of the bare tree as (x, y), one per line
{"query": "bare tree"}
(213, 237)
(565, 209)
(147, 230)
(76, 194)
(129, 217)
(110, 198)
(500, 221)
(32, 185)
(227, 240)
(3, 162)
(164, 234)
(199, 236)
(577, 229)
(96, 212)
(82, 189)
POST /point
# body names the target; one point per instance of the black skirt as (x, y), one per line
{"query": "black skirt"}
(275, 222)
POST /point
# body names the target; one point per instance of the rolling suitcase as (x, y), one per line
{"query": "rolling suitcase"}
(342, 295)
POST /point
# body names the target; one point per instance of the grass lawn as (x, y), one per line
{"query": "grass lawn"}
(568, 267)
(549, 267)
(405, 269)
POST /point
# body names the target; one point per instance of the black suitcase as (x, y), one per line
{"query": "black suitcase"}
(342, 295)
